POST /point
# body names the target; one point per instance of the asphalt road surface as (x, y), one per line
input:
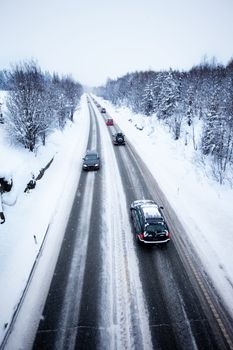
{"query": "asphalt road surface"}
(110, 293)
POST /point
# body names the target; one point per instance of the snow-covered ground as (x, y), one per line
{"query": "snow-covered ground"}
(30, 215)
(204, 207)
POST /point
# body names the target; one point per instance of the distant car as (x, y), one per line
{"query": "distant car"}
(103, 110)
(118, 139)
(149, 223)
(91, 161)
(109, 121)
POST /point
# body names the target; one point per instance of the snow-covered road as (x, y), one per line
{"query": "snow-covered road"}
(108, 292)
(124, 311)
(126, 296)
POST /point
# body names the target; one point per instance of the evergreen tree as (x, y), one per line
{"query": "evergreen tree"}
(206, 91)
(213, 119)
(147, 103)
(169, 96)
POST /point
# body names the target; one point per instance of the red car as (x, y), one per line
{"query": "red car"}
(109, 121)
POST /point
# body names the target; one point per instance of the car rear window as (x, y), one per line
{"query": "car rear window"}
(158, 227)
(91, 156)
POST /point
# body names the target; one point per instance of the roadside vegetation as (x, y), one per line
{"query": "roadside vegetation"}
(37, 103)
(185, 102)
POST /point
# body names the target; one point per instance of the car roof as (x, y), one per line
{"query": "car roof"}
(144, 201)
(91, 152)
(151, 211)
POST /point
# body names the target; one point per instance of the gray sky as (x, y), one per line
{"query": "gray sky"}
(98, 39)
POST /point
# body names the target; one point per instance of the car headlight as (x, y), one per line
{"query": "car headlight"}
(96, 164)
(85, 166)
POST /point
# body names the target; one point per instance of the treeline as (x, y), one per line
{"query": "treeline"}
(179, 99)
(37, 103)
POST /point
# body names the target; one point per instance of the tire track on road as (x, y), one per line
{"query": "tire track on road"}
(124, 314)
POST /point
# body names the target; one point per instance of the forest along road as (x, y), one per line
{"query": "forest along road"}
(109, 293)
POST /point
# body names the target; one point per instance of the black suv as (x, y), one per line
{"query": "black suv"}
(149, 223)
(118, 139)
(91, 161)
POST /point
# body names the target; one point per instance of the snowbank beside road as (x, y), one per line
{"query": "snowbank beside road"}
(28, 219)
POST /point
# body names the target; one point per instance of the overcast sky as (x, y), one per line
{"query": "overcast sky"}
(98, 39)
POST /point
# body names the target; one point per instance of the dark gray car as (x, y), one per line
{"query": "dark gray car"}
(91, 161)
(149, 223)
(118, 139)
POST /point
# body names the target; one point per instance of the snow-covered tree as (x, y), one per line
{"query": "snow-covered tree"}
(25, 104)
(211, 125)
(169, 96)
(37, 103)
(203, 94)
(213, 118)
(3, 80)
(148, 99)
(72, 92)
(217, 139)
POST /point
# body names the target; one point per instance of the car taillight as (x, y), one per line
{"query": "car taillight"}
(141, 235)
(168, 234)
